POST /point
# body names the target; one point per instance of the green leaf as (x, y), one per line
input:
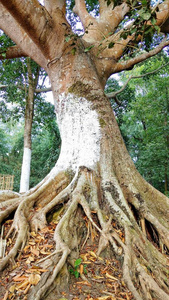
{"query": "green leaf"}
(73, 51)
(111, 45)
(88, 48)
(146, 16)
(78, 262)
(67, 38)
(157, 28)
(3, 55)
(144, 2)
(153, 21)
(71, 271)
(77, 274)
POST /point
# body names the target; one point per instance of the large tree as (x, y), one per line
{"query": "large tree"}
(94, 171)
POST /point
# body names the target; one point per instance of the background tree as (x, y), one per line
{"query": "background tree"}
(142, 114)
(94, 171)
(19, 83)
(45, 137)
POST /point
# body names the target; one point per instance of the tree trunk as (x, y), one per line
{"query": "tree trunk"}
(29, 112)
(94, 173)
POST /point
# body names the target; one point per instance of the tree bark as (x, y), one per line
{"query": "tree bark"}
(29, 112)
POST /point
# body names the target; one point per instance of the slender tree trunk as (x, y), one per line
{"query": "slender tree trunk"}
(29, 112)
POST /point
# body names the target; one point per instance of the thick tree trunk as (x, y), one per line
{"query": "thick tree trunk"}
(94, 172)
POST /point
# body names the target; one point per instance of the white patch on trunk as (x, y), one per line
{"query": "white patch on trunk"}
(25, 172)
(80, 132)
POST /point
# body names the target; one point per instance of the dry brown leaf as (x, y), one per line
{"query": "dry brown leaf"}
(27, 288)
(44, 252)
(45, 229)
(33, 233)
(84, 283)
(84, 256)
(110, 276)
(29, 260)
(12, 288)
(98, 277)
(81, 269)
(34, 278)
(92, 254)
(35, 252)
(19, 278)
(22, 285)
(5, 296)
(32, 243)
(26, 248)
(106, 298)
(34, 270)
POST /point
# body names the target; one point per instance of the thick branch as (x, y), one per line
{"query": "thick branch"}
(9, 25)
(112, 17)
(33, 18)
(81, 11)
(52, 5)
(12, 52)
(125, 65)
(163, 16)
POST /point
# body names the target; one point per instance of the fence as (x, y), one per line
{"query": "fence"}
(6, 182)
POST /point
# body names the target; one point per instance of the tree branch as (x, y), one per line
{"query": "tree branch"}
(125, 65)
(163, 16)
(37, 91)
(33, 18)
(112, 17)
(52, 5)
(114, 94)
(10, 26)
(12, 52)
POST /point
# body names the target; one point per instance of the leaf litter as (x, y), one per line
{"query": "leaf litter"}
(99, 278)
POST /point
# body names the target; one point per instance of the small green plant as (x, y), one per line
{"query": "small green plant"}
(78, 268)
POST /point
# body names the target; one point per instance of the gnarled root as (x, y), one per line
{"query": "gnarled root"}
(88, 193)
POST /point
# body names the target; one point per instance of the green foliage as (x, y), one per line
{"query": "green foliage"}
(75, 271)
(46, 148)
(144, 122)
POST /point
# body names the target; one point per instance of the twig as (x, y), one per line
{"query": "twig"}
(112, 95)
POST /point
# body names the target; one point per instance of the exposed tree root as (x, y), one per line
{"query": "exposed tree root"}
(141, 259)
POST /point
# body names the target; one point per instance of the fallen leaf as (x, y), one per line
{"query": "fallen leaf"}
(27, 288)
(32, 243)
(110, 276)
(93, 254)
(22, 285)
(26, 248)
(106, 298)
(84, 283)
(12, 288)
(5, 296)
(34, 278)
(35, 252)
(81, 269)
(33, 233)
(34, 270)
(29, 260)
(44, 252)
(19, 278)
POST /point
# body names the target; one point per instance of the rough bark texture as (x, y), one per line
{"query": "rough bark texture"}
(94, 171)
